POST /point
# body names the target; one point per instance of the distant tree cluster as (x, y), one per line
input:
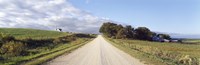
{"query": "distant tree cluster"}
(117, 31)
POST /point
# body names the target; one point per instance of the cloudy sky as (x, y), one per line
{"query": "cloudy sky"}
(172, 16)
(47, 14)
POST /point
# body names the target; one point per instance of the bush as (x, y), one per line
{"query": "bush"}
(64, 39)
(81, 35)
(57, 41)
(12, 48)
(71, 38)
(5, 38)
(1, 58)
(33, 43)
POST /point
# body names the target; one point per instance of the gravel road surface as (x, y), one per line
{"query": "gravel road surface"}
(97, 52)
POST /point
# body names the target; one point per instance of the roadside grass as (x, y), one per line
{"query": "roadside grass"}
(63, 49)
(156, 53)
(46, 54)
(22, 33)
(38, 45)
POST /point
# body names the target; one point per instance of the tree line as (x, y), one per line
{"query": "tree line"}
(117, 31)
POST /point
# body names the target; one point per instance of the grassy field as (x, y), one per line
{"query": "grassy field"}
(33, 47)
(21, 33)
(157, 53)
(192, 41)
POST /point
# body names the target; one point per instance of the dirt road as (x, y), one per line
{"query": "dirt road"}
(97, 52)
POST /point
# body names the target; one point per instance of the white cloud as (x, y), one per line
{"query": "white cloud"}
(47, 14)
(2, 14)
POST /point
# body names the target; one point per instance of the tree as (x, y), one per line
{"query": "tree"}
(119, 27)
(143, 33)
(164, 36)
(129, 32)
(110, 29)
(121, 34)
(113, 30)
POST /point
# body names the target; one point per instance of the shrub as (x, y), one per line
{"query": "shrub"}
(57, 41)
(70, 38)
(12, 48)
(1, 58)
(1, 43)
(81, 35)
(64, 39)
(5, 38)
(33, 43)
(8, 38)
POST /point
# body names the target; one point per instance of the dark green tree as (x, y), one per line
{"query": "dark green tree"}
(122, 34)
(164, 36)
(110, 29)
(143, 33)
(129, 32)
(113, 30)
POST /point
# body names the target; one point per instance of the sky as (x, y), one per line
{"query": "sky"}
(170, 16)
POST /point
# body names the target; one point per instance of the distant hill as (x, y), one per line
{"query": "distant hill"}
(185, 36)
(33, 33)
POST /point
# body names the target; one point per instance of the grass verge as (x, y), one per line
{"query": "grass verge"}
(19, 45)
(156, 53)
(51, 56)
